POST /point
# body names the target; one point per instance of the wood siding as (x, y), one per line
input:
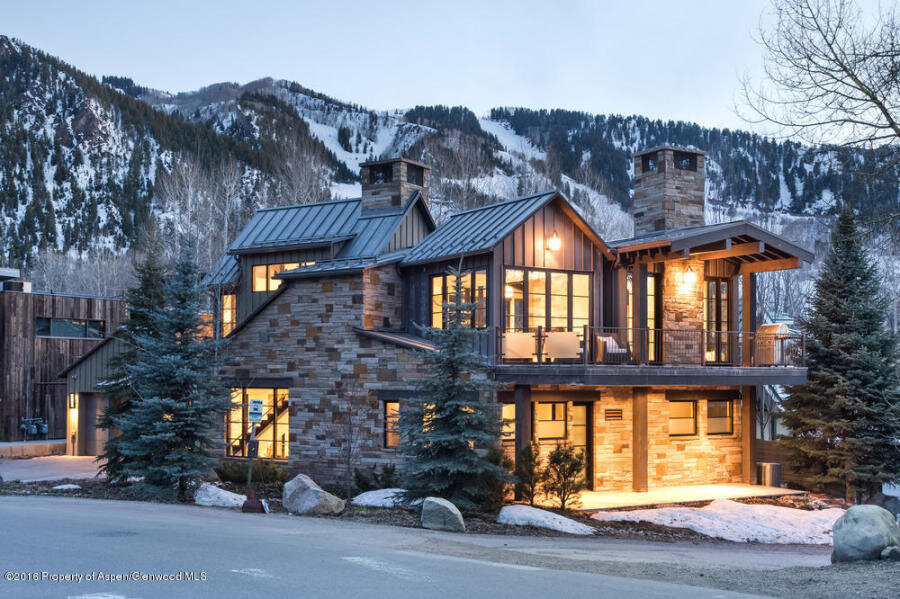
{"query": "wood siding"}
(412, 229)
(85, 377)
(29, 365)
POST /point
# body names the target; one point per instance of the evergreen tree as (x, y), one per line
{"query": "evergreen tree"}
(142, 301)
(845, 421)
(564, 476)
(445, 431)
(170, 428)
(529, 473)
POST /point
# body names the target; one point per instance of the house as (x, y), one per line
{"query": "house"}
(41, 332)
(642, 352)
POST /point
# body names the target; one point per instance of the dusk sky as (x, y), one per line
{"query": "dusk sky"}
(668, 60)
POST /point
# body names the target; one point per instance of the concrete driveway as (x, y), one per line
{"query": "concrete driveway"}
(49, 468)
(231, 554)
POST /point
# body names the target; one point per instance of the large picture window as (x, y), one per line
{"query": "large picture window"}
(474, 291)
(68, 327)
(682, 418)
(720, 417)
(264, 274)
(553, 300)
(273, 433)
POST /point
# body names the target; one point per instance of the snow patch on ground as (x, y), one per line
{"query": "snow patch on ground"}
(379, 498)
(212, 496)
(68, 487)
(525, 515)
(740, 522)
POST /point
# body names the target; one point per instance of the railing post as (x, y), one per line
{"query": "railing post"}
(702, 347)
(540, 345)
(586, 345)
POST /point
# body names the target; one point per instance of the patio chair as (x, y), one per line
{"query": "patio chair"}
(609, 351)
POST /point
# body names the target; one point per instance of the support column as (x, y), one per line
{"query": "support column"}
(639, 439)
(524, 416)
(748, 435)
(748, 317)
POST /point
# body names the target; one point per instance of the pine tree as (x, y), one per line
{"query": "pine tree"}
(169, 430)
(845, 421)
(445, 431)
(143, 299)
(529, 472)
(564, 476)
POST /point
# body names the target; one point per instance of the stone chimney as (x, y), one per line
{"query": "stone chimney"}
(669, 186)
(389, 183)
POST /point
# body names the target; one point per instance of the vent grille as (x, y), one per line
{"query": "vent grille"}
(613, 414)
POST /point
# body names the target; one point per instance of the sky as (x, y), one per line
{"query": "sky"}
(669, 59)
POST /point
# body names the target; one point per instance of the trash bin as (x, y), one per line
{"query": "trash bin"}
(768, 474)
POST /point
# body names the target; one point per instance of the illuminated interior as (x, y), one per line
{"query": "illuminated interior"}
(264, 274)
(444, 286)
(229, 313)
(556, 300)
(272, 433)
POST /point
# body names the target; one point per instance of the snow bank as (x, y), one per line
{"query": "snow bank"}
(525, 515)
(379, 498)
(212, 496)
(741, 522)
(67, 487)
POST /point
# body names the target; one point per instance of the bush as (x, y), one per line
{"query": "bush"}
(499, 486)
(563, 477)
(529, 473)
(264, 472)
(373, 480)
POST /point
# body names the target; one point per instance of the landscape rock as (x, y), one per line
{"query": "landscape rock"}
(892, 553)
(525, 515)
(440, 514)
(303, 496)
(380, 498)
(212, 496)
(888, 502)
(863, 533)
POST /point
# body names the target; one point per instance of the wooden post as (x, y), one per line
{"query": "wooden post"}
(639, 439)
(748, 316)
(748, 435)
(522, 395)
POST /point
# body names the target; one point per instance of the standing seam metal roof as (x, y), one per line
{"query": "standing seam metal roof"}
(476, 230)
(304, 223)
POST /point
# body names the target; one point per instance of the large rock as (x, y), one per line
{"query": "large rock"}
(863, 533)
(303, 496)
(212, 496)
(891, 553)
(440, 514)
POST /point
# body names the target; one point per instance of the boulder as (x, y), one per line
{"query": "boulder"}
(440, 514)
(892, 553)
(863, 532)
(212, 496)
(303, 496)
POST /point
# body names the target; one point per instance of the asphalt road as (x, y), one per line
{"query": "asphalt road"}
(242, 555)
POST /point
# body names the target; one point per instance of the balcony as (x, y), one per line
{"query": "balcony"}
(644, 356)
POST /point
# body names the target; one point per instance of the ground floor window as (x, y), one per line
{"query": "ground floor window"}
(391, 424)
(682, 418)
(272, 434)
(508, 415)
(720, 417)
(551, 420)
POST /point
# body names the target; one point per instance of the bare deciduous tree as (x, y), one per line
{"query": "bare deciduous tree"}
(99, 273)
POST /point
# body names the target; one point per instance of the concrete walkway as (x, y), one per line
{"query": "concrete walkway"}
(604, 500)
(49, 468)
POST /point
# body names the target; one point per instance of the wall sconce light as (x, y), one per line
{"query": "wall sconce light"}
(688, 277)
(73, 401)
(554, 243)
(508, 292)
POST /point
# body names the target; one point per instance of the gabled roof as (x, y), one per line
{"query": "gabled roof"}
(479, 230)
(226, 272)
(298, 226)
(688, 239)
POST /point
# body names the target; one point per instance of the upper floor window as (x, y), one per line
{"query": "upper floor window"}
(264, 274)
(553, 300)
(68, 327)
(381, 173)
(474, 291)
(229, 313)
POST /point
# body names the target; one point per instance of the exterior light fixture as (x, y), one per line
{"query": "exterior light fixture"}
(554, 243)
(73, 401)
(688, 277)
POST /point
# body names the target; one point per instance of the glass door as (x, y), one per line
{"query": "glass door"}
(715, 321)
(580, 433)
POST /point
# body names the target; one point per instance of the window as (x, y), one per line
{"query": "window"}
(715, 319)
(648, 163)
(685, 161)
(508, 416)
(654, 315)
(391, 424)
(629, 307)
(229, 313)
(551, 418)
(556, 301)
(444, 286)
(264, 274)
(682, 418)
(381, 173)
(273, 433)
(719, 417)
(67, 327)
(415, 175)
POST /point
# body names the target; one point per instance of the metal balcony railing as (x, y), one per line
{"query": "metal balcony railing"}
(623, 346)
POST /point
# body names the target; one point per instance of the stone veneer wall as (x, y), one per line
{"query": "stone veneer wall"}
(698, 459)
(668, 198)
(306, 335)
(682, 311)
(612, 441)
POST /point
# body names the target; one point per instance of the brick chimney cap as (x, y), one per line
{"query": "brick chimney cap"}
(669, 147)
(396, 159)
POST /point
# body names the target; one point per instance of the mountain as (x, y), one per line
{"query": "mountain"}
(87, 165)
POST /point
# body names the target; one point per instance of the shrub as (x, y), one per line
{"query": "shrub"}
(264, 472)
(564, 474)
(529, 473)
(386, 479)
(499, 487)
